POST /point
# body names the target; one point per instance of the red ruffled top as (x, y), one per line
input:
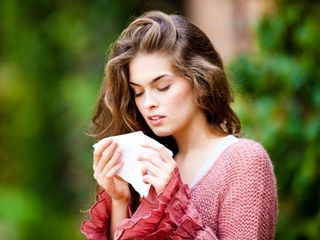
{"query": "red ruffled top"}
(235, 199)
(157, 217)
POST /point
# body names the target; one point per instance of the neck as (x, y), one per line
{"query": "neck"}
(196, 138)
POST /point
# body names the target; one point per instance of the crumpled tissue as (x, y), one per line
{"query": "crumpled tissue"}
(131, 171)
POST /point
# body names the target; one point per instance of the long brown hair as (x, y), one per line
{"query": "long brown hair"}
(194, 58)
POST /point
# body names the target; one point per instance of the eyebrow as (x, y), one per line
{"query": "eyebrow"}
(153, 80)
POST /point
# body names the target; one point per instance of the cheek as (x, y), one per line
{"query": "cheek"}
(182, 97)
(139, 106)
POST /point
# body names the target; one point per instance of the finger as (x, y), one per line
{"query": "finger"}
(107, 155)
(165, 153)
(114, 170)
(158, 184)
(101, 175)
(152, 158)
(149, 179)
(102, 144)
(120, 178)
(150, 169)
(98, 150)
(115, 160)
(144, 171)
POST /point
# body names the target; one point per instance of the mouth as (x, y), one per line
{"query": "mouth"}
(155, 120)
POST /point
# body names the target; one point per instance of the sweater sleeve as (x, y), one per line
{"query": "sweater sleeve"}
(248, 205)
(169, 214)
(248, 208)
(96, 227)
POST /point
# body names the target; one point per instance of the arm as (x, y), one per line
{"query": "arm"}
(247, 206)
(170, 213)
(96, 227)
(112, 205)
(181, 218)
(105, 215)
(119, 211)
(164, 210)
(248, 198)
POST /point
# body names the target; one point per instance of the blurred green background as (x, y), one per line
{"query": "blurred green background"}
(52, 55)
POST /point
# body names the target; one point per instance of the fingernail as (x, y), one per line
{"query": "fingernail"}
(102, 141)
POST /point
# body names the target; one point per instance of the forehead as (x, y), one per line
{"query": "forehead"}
(145, 67)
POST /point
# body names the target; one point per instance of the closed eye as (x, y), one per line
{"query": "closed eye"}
(136, 91)
(138, 94)
(164, 88)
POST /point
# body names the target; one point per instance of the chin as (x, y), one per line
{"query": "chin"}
(162, 133)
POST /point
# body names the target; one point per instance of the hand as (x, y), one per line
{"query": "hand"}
(158, 165)
(106, 164)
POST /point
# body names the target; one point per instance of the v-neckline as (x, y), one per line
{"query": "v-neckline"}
(222, 145)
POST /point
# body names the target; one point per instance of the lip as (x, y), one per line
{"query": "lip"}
(155, 120)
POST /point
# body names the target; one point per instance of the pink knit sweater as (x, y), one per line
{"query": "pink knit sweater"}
(235, 199)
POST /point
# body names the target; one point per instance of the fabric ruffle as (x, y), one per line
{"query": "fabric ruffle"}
(157, 217)
(169, 214)
(96, 227)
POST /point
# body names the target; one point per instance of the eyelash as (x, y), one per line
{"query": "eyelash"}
(164, 88)
(137, 94)
(159, 89)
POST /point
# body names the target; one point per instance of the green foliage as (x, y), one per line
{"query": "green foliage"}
(51, 63)
(52, 56)
(279, 106)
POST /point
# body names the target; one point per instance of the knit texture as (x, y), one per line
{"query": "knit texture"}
(235, 199)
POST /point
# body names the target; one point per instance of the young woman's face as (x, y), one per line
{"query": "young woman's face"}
(165, 100)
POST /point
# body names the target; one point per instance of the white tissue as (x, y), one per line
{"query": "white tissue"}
(130, 146)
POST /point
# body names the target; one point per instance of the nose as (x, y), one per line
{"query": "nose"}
(150, 101)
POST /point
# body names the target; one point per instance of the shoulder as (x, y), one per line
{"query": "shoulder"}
(247, 156)
(247, 149)
(249, 193)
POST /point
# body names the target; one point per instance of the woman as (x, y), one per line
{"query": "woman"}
(164, 77)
